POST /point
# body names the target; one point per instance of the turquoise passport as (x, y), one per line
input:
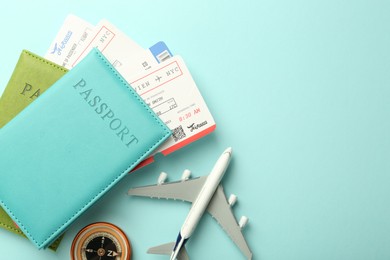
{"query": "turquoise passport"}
(71, 145)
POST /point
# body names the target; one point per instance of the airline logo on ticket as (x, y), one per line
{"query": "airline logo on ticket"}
(173, 95)
(72, 38)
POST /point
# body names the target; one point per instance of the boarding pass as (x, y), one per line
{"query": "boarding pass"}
(171, 92)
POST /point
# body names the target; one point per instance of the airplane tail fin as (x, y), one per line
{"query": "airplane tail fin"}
(166, 249)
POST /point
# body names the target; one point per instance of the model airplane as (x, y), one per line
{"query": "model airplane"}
(205, 193)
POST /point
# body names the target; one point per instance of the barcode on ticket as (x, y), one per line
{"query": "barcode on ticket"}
(178, 133)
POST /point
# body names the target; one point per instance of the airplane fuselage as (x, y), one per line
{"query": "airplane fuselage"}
(199, 206)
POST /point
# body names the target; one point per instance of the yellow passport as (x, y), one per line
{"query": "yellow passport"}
(30, 78)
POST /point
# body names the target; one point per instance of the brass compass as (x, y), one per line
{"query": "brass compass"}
(100, 241)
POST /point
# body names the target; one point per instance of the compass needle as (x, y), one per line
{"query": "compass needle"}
(103, 241)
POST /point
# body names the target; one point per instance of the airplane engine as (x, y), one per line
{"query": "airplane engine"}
(161, 179)
(186, 175)
(243, 221)
(232, 200)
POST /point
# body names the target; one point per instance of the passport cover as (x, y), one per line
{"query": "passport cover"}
(70, 146)
(31, 77)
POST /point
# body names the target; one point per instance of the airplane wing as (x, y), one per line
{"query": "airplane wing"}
(166, 249)
(182, 190)
(220, 209)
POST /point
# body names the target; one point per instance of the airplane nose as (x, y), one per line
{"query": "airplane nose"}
(229, 151)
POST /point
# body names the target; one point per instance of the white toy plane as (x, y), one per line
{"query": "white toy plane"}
(205, 193)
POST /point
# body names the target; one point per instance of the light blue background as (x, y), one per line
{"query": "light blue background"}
(299, 89)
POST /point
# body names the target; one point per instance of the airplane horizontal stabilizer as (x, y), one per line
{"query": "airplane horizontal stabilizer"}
(166, 249)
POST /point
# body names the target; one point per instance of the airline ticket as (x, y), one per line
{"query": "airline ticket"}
(171, 92)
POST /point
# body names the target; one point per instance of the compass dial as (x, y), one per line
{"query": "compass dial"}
(101, 241)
